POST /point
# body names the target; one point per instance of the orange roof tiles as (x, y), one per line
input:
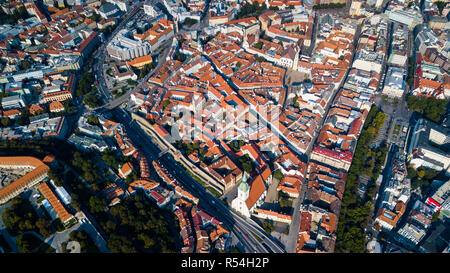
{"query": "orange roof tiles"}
(257, 188)
(56, 106)
(35, 108)
(140, 61)
(54, 201)
(126, 169)
(143, 184)
(10, 113)
(30, 178)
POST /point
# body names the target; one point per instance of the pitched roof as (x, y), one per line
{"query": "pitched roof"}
(126, 168)
(54, 201)
(56, 106)
(39, 169)
(257, 188)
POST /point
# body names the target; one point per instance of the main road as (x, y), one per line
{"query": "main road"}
(240, 227)
(100, 54)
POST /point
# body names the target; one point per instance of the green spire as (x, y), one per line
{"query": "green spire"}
(244, 178)
(244, 186)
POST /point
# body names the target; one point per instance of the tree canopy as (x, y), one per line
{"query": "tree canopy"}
(248, 10)
(21, 217)
(141, 226)
(431, 108)
(354, 213)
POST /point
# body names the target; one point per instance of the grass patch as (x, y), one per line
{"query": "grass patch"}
(193, 175)
(256, 237)
(39, 201)
(214, 192)
(396, 129)
(71, 223)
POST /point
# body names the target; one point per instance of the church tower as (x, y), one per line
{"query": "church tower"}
(239, 203)
(244, 188)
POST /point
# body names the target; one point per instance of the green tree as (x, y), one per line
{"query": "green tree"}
(432, 108)
(166, 103)
(93, 120)
(190, 22)
(24, 117)
(258, 45)
(180, 56)
(421, 173)
(435, 216)
(56, 177)
(24, 64)
(23, 245)
(268, 226)
(278, 174)
(97, 204)
(6, 122)
(92, 100)
(145, 70)
(440, 5)
(44, 227)
(260, 59)
(120, 244)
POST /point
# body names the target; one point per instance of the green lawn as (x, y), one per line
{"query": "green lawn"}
(214, 192)
(193, 175)
(256, 237)
(396, 129)
(71, 223)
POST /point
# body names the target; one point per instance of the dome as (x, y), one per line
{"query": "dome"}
(244, 187)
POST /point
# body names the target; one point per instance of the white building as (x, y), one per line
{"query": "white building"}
(368, 61)
(179, 12)
(410, 235)
(411, 17)
(124, 48)
(426, 148)
(426, 38)
(249, 197)
(121, 4)
(108, 10)
(394, 85)
(150, 10)
(440, 200)
(13, 102)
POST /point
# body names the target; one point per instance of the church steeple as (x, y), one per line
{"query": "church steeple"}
(244, 188)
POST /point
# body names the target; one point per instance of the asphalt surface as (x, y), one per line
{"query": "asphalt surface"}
(101, 53)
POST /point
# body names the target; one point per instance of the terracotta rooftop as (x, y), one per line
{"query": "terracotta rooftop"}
(54, 201)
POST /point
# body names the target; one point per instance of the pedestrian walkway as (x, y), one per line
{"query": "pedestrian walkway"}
(384, 131)
(272, 193)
